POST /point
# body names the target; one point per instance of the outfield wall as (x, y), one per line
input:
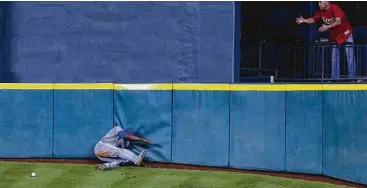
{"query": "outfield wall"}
(315, 129)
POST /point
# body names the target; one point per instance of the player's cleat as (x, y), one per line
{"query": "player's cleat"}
(141, 157)
(106, 166)
(102, 166)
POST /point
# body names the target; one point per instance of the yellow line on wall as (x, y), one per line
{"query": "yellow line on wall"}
(185, 86)
(26, 86)
(83, 86)
(143, 86)
(257, 87)
(339, 87)
(202, 87)
(304, 87)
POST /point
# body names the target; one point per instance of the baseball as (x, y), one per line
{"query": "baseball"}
(33, 174)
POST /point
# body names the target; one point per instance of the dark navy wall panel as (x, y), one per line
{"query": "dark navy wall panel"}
(26, 123)
(304, 132)
(149, 114)
(345, 135)
(3, 66)
(257, 131)
(200, 127)
(126, 42)
(81, 118)
(216, 43)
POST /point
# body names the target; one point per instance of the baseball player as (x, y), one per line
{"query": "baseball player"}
(112, 149)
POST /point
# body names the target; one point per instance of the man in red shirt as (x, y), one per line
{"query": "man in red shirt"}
(335, 21)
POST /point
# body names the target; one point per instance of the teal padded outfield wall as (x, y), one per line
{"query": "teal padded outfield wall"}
(315, 129)
(345, 135)
(303, 131)
(200, 125)
(81, 116)
(257, 130)
(26, 121)
(148, 111)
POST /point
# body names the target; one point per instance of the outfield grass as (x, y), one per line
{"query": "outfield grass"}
(14, 174)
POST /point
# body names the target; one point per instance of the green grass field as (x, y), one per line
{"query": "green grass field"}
(14, 174)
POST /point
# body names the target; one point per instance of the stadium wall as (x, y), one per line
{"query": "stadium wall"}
(315, 129)
(126, 42)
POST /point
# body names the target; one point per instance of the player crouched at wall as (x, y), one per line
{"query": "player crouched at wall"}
(112, 149)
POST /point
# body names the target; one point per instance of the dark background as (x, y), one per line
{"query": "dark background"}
(264, 20)
(269, 31)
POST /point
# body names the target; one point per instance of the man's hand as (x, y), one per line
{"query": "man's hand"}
(323, 28)
(300, 20)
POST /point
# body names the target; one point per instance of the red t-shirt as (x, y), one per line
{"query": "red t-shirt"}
(339, 33)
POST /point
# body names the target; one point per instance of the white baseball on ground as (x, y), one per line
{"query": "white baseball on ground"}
(33, 174)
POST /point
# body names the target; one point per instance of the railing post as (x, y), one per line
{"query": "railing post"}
(260, 57)
(322, 62)
(295, 64)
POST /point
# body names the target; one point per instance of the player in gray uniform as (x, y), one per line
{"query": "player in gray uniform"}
(112, 149)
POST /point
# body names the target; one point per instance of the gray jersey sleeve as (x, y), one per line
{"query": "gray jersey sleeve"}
(112, 137)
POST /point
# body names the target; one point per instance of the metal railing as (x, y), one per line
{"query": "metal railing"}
(320, 61)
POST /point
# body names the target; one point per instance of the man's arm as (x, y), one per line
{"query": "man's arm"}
(135, 138)
(303, 20)
(311, 20)
(337, 22)
(339, 15)
(123, 134)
